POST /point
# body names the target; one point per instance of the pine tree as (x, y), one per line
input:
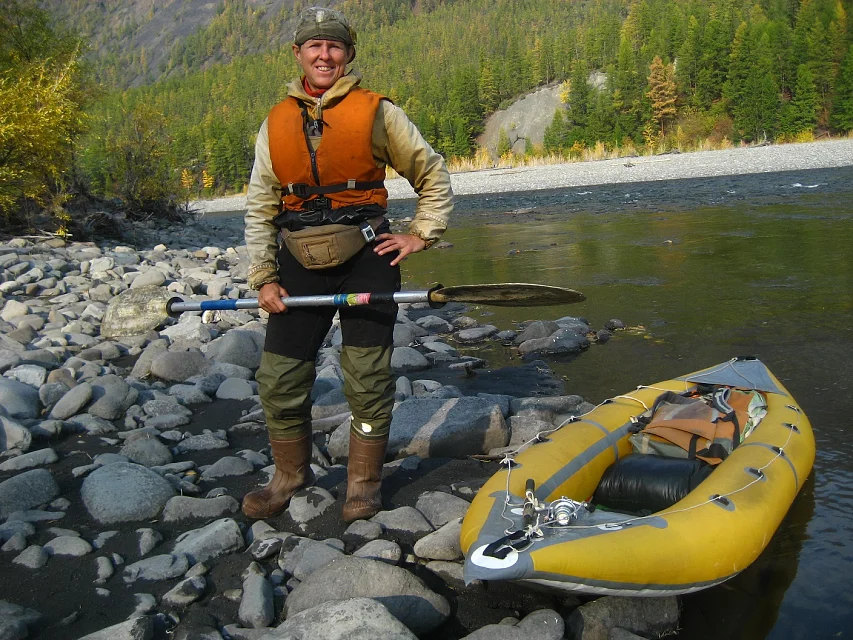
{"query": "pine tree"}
(841, 118)
(487, 89)
(801, 112)
(689, 55)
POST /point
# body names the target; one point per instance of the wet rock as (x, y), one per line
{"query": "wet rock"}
(383, 550)
(156, 568)
(452, 428)
(19, 400)
(300, 557)
(553, 404)
(401, 592)
(186, 508)
(92, 425)
(308, 504)
(435, 324)
(139, 628)
(185, 592)
(228, 467)
(111, 397)
(125, 492)
(147, 451)
(614, 325)
(219, 538)
(404, 519)
(643, 616)
(243, 348)
(68, 546)
(440, 508)
(448, 571)
(442, 544)
(27, 490)
(14, 438)
(256, 606)
(179, 366)
(148, 539)
(235, 389)
(33, 557)
(564, 341)
(537, 329)
(352, 619)
(104, 569)
(475, 334)
(576, 325)
(408, 359)
(30, 374)
(15, 527)
(203, 442)
(16, 620)
(362, 531)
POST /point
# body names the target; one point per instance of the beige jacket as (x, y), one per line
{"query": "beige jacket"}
(396, 143)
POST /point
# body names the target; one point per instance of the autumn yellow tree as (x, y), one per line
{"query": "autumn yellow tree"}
(662, 92)
(41, 97)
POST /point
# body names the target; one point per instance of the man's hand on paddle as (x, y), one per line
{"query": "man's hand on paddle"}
(402, 242)
(269, 297)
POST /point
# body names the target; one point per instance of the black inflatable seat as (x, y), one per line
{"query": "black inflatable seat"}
(646, 483)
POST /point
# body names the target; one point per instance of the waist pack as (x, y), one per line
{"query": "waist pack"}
(696, 428)
(328, 245)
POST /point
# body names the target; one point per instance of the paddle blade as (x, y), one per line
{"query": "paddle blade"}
(508, 294)
(136, 311)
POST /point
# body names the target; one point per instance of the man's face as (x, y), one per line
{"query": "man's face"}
(322, 61)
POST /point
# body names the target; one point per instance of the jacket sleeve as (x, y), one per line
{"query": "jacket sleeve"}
(399, 144)
(262, 202)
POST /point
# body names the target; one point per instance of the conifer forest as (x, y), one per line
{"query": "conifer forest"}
(144, 117)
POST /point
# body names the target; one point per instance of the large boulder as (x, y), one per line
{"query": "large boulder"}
(401, 592)
(453, 428)
(125, 492)
(353, 619)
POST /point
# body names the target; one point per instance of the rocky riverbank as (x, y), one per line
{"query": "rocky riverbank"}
(673, 166)
(123, 463)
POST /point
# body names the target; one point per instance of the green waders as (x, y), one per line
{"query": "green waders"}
(285, 389)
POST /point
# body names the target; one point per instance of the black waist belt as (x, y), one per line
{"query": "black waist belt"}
(298, 220)
(303, 190)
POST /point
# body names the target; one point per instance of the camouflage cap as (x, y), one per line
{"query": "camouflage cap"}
(321, 23)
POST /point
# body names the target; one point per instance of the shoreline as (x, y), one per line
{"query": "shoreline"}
(672, 166)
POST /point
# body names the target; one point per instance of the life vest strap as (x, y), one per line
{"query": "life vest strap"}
(305, 191)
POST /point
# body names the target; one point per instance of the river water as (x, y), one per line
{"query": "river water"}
(701, 271)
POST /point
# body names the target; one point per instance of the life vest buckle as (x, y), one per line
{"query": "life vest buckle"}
(298, 189)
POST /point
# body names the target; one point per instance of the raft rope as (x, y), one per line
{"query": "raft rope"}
(534, 531)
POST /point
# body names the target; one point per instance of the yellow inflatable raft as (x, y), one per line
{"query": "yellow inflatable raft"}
(532, 520)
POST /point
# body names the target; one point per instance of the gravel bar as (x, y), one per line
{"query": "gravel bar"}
(672, 166)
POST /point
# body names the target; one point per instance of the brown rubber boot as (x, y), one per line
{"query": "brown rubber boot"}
(364, 477)
(292, 472)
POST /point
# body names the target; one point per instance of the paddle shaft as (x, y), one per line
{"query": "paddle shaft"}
(176, 306)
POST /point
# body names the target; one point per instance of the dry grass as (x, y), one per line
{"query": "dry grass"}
(483, 159)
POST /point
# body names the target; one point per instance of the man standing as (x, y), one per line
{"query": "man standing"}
(315, 225)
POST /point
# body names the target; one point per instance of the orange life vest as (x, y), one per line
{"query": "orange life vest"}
(342, 168)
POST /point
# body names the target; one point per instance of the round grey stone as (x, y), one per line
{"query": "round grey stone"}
(125, 492)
